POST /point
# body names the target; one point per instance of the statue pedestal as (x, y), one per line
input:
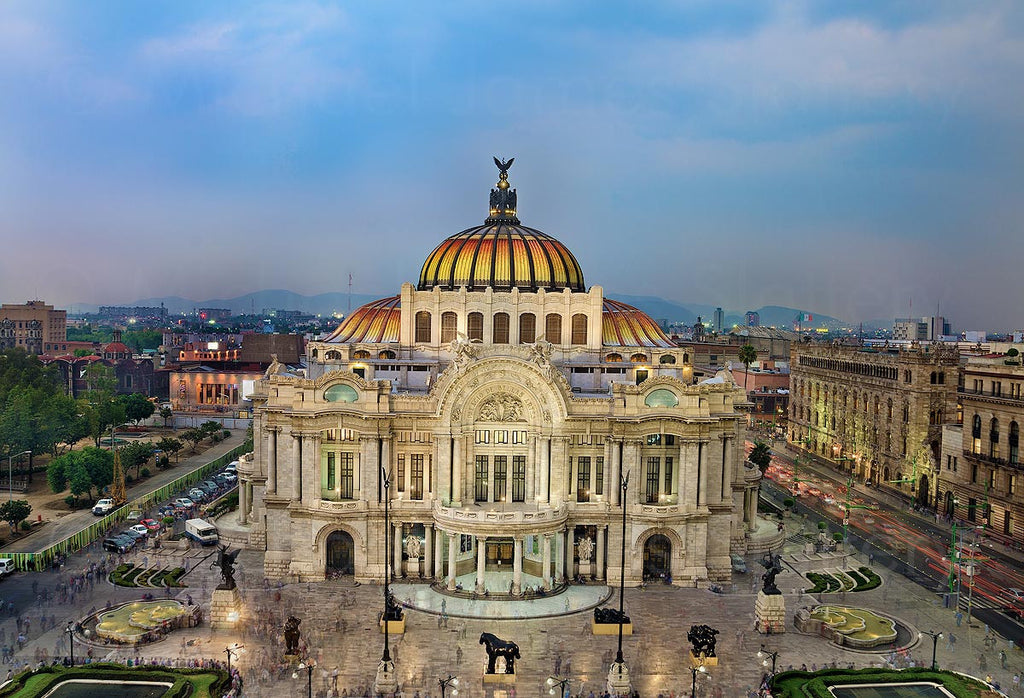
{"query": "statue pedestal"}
(412, 568)
(395, 627)
(610, 628)
(618, 679)
(500, 678)
(386, 681)
(586, 569)
(224, 608)
(706, 661)
(770, 613)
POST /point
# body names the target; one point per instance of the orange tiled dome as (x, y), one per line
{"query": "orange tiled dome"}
(625, 326)
(373, 323)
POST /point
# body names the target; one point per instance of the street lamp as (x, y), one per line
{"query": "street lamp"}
(618, 672)
(10, 474)
(232, 652)
(562, 684)
(699, 669)
(452, 681)
(70, 632)
(385, 681)
(765, 655)
(308, 666)
(935, 643)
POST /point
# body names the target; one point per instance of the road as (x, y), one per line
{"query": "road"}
(73, 523)
(907, 544)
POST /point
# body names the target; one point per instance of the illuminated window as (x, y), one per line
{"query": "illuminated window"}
(579, 328)
(499, 330)
(583, 479)
(416, 476)
(553, 328)
(518, 478)
(475, 326)
(449, 327)
(422, 326)
(527, 328)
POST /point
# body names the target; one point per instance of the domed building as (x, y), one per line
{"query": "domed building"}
(506, 401)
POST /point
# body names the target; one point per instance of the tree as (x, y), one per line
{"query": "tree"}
(135, 454)
(136, 406)
(210, 428)
(170, 445)
(82, 470)
(193, 436)
(166, 413)
(761, 456)
(747, 355)
(15, 511)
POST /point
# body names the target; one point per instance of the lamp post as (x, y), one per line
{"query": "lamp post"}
(232, 652)
(765, 655)
(70, 632)
(386, 682)
(618, 672)
(562, 684)
(694, 670)
(935, 643)
(308, 666)
(10, 473)
(452, 681)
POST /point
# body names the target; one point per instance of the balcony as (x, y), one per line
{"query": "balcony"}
(993, 460)
(532, 516)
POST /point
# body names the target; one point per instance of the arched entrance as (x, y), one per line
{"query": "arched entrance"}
(949, 503)
(885, 474)
(922, 491)
(340, 554)
(657, 557)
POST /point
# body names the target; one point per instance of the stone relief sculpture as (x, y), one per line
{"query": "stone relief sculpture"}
(540, 353)
(412, 547)
(501, 407)
(585, 548)
(463, 349)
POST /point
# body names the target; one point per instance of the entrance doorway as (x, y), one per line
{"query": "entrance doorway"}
(498, 555)
(340, 554)
(922, 491)
(949, 503)
(657, 557)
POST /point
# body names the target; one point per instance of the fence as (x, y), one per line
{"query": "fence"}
(73, 543)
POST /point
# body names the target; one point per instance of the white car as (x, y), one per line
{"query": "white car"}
(183, 502)
(139, 528)
(104, 506)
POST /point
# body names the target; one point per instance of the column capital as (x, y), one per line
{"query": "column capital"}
(451, 534)
(481, 537)
(428, 525)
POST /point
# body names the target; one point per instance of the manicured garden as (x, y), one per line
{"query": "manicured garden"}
(126, 575)
(194, 683)
(804, 684)
(861, 579)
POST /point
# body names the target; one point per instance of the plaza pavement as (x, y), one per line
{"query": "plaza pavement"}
(339, 625)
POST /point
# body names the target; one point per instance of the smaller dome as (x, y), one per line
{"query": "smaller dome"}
(116, 348)
(373, 323)
(626, 326)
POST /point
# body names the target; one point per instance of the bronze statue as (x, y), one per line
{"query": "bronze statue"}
(772, 566)
(499, 648)
(702, 638)
(226, 562)
(609, 616)
(291, 635)
(392, 609)
(504, 166)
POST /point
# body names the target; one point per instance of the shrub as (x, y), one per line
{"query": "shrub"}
(129, 478)
(226, 433)
(822, 526)
(26, 526)
(72, 501)
(168, 520)
(837, 536)
(145, 472)
(788, 502)
(873, 579)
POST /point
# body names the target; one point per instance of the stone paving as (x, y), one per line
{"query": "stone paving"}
(339, 625)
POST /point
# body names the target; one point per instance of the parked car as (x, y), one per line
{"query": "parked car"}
(232, 467)
(197, 495)
(151, 524)
(202, 532)
(183, 503)
(210, 486)
(738, 563)
(6, 567)
(134, 515)
(139, 528)
(230, 476)
(133, 534)
(224, 480)
(104, 506)
(118, 544)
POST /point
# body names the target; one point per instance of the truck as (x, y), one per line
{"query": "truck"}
(203, 532)
(104, 506)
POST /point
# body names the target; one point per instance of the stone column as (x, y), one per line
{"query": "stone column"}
(439, 553)
(481, 558)
(545, 552)
(443, 459)
(385, 457)
(545, 459)
(452, 548)
(397, 549)
(702, 474)
(428, 550)
(310, 467)
(559, 467)
(600, 551)
(297, 466)
(531, 468)
(243, 502)
(517, 565)
(616, 472)
(752, 508)
(272, 461)
(457, 459)
(570, 552)
(631, 465)
(688, 476)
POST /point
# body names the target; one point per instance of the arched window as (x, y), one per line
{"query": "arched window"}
(361, 354)
(553, 328)
(449, 327)
(332, 356)
(422, 326)
(942, 378)
(316, 353)
(638, 358)
(613, 358)
(686, 358)
(579, 328)
(386, 355)
(1014, 443)
(934, 378)
(667, 359)
(499, 328)
(475, 326)
(527, 328)
(993, 438)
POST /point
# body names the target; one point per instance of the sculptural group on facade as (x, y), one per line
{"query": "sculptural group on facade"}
(585, 548)
(413, 547)
(610, 616)
(501, 407)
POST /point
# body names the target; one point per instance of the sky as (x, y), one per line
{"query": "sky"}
(858, 159)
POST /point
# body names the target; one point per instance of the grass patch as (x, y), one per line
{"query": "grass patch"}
(118, 576)
(873, 580)
(803, 684)
(858, 579)
(196, 683)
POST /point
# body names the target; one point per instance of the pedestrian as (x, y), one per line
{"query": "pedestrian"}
(1016, 683)
(1002, 658)
(982, 663)
(959, 618)
(458, 655)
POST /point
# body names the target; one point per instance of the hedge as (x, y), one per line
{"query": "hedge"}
(804, 684)
(40, 682)
(873, 579)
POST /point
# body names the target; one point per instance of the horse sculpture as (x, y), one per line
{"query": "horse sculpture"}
(702, 637)
(609, 616)
(499, 648)
(291, 635)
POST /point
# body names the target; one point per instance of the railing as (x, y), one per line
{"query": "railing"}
(75, 542)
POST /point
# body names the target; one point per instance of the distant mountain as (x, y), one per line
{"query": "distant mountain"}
(658, 308)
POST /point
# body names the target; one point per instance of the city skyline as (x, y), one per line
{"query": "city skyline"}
(852, 160)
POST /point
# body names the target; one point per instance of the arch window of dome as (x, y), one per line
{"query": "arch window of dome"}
(333, 356)
(449, 327)
(475, 327)
(423, 326)
(499, 328)
(638, 358)
(316, 354)
(341, 393)
(579, 328)
(613, 358)
(667, 359)
(527, 328)
(386, 355)
(686, 358)
(360, 354)
(661, 398)
(553, 328)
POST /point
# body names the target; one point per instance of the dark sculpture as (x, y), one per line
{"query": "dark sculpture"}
(226, 562)
(499, 648)
(291, 635)
(503, 199)
(609, 616)
(772, 566)
(392, 609)
(504, 166)
(702, 638)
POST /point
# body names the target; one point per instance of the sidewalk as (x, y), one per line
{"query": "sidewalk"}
(71, 524)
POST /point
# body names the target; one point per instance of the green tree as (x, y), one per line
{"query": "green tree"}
(15, 511)
(170, 445)
(140, 340)
(166, 413)
(99, 407)
(84, 470)
(136, 406)
(761, 456)
(193, 436)
(210, 428)
(135, 454)
(747, 355)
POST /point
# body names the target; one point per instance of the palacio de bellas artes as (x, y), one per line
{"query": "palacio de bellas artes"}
(500, 405)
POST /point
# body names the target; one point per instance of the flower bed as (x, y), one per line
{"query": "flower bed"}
(803, 684)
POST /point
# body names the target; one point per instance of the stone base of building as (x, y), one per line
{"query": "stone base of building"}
(610, 628)
(276, 564)
(225, 607)
(770, 613)
(395, 627)
(500, 678)
(618, 679)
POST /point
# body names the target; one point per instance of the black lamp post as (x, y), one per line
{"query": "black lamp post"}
(231, 652)
(699, 669)
(765, 655)
(935, 643)
(308, 666)
(385, 682)
(560, 682)
(70, 632)
(624, 484)
(452, 681)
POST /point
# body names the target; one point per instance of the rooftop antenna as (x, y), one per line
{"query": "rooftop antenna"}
(349, 294)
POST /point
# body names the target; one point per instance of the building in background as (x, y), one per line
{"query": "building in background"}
(926, 329)
(875, 412)
(719, 322)
(981, 480)
(35, 327)
(752, 319)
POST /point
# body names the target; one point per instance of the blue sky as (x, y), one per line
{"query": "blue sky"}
(842, 156)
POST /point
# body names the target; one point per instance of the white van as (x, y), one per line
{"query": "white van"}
(6, 567)
(204, 532)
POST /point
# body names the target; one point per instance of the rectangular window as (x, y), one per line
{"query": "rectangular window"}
(483, 436)
(974, 473)
(423, 326)
(518, 478)
(499, 328)
(480, 491)
(972, 505)
(500, 477)
(330, 470)
(668, 475)
(653, 473)
(347, 462)
(400, 487)
(527, 328)
(654, 439)
(1011, 482)
(599, 475)
(583, 479)
(500, 436)
(553, 328)
(519, 437)
(670, 440)
(416, 476)
(449, 326)
(475, 326)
